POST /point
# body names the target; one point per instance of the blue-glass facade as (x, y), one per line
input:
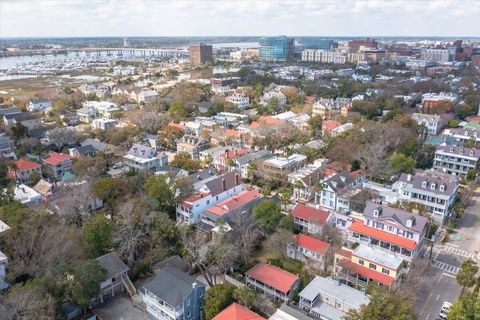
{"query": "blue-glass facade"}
(278, 48)
(315, 43)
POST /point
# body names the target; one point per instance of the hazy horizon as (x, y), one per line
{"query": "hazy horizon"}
(96, 18)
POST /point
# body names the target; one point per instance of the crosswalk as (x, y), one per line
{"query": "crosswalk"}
(459, 252)
(445, 267)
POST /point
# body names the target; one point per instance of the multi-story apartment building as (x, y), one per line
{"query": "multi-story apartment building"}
(272, 281)
(278, 48)
(433, 123)
(173, 295)
(430, 100)
(58, 164)
(145, 159)
(305, 179)
(456, 160)
(325, 56)
(437, 55)
(462, 135)
(308, 249)
(22, 170)
(212, 192)
(192, 145)
(282, 166)
(310, 220)
(356, 44)
(200, 53)
(326, 298)
(331, 187)
(391, 230)
(239, 99)
(434, 190)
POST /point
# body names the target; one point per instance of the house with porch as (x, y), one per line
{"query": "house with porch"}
(306, 248)
(58, 164)
(116, 280)
(326, 298)
(145, 159)
(22, 170)
(310, 220)
(272, 282)
(305, 179)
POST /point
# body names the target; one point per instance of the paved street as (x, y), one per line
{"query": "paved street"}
(439, 284)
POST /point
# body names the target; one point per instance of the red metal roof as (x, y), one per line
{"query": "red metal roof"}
(233, 133)
(330, 125)
(236, 311)
(366, 272)
(234, 153)
(188, 201)
(311, 243)
(266, 120)
(24, 164)
(273, 276)
(177, 125)
(344, 252)
(234, 202)
(56, 158)
(359, 227)
(310, 214)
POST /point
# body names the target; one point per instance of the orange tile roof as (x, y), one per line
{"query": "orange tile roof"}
(266, 120)
(359, 227)
(234, 202)
(236, 311)
(273, 276)
(24, 164)
(233, 133)
(367, 272)
(311, 243)
(177, 125)
(311, 214)
(56, 158)
(330, 125)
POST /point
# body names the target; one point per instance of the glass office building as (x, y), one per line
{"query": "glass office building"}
(278, 48)
(315, 43)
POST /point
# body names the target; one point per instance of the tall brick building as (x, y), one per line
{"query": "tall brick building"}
(200, 53)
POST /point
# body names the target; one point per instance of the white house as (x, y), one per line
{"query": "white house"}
(27, 196)
(240, 99)
(39, 105)
(103, 124)
(433, 123)
(144, 158)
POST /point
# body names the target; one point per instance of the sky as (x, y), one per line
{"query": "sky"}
(71, 18)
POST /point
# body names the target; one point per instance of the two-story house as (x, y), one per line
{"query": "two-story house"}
(326, 298)
(26, 195)
(390, 229)
(236, 311)
(280, 167)
(144, 158)
(7, 149)
(23, 169)
(434, 190)
(305, 179)
(308, 249)
(328, 196)
(433, 123)
(39, 105)
(221, 161)
(58, 164)
(230, 209)
(173, 295)
(192, 145)
(365, 264)
(456, 160)
(116, 280)
(212, 192)
(272, 281)
(310, 220)
(241, 163)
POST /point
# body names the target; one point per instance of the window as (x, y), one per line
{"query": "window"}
(339, 305)
(372, 266)
(208, 202)
(189, 313)
(188, 302)
(385, 271)
(360, 261)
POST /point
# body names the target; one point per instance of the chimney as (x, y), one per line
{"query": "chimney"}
(409, 177)
(237, 180)
(223, 184)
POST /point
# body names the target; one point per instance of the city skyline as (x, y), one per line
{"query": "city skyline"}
(240, 18)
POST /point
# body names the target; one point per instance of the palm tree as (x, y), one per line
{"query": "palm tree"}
(466, 275)
(230, 164)
(285, 196)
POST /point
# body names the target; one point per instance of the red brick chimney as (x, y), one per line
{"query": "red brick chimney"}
(237, 180)
(223, 184)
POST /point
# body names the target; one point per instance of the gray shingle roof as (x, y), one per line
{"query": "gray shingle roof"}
(399, 215)
(171, 285)
(86, 150)
(339, 181)
(450, 183)
(453, 149)
(113, 264)
(215, 185)
(247, 158)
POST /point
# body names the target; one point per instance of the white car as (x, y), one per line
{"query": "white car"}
(445, 309)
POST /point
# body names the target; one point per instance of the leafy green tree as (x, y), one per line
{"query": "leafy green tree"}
(384, 305)
(184, 160)
(109, 189)
(251, 170)
(4, 179)
(424, 156)
(315, 123)
(245, 296)
(288, 223)
(466, 275)
(266, 190)
(177, 110)
(97, 236)
(471, 174)
(453, 123)
(268, 215)
(401, 163)
(158, 187)
(217, 298)
(83, 282)
(465, 308)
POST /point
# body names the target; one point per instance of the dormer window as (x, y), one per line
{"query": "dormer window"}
(451, 149)
(471, 153)
(466, 133)
(475, 134)
(375, 213)
(432, 186)
(442, 187)
(461, 151)
(424, 184)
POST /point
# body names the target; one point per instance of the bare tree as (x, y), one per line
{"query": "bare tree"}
(246, 235)
(148, 119)
(25, 301)
(212, 258)
(278, 242)
(411, 283)
(78, 202)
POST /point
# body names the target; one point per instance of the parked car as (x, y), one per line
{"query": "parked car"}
(445, 309)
